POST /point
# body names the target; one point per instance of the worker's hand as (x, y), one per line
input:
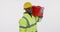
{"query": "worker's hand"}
(40, 16)
(42, 10)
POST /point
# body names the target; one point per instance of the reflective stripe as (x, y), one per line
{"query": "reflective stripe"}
(28, 26)
(26, 20)
(27, 23)
(22, 27)
(33, 24)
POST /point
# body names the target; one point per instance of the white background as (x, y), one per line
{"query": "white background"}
(12, 10)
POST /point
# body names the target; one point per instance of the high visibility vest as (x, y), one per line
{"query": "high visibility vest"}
(28, 23)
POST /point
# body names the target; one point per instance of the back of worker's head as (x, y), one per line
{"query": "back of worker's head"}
(28, 7)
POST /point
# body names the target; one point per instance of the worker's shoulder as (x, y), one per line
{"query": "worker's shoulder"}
(25, 14)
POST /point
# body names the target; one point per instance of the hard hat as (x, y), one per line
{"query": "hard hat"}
(37, 11)
(27, 5)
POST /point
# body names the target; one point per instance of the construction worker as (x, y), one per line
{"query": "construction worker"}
(28, 22)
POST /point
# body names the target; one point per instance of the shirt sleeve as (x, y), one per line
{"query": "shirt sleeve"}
(39, 19)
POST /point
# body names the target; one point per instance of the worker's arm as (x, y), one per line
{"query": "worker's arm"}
(22, 25)
(40, 19)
